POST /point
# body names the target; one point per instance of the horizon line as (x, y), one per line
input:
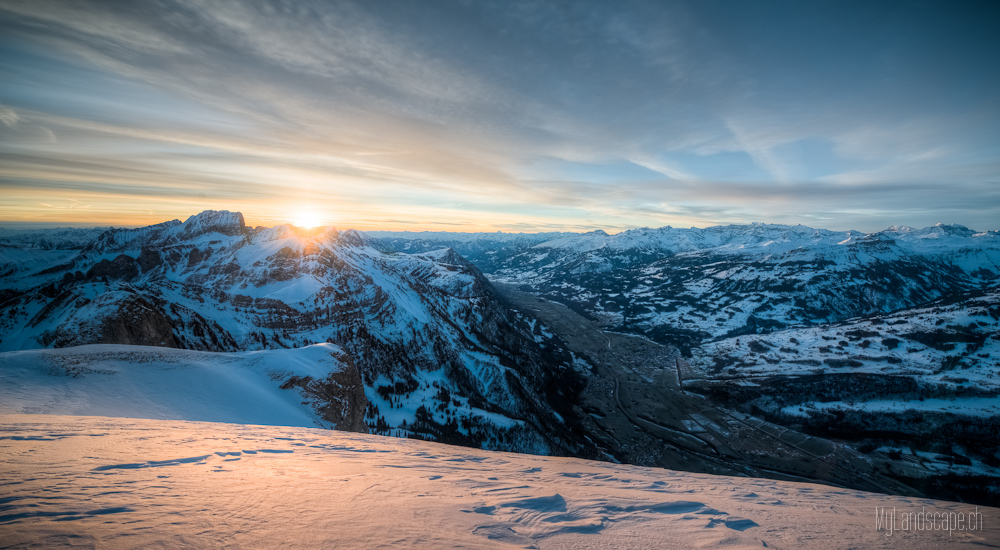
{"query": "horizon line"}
(38, 226)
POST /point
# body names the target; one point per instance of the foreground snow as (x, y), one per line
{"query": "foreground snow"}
(164, 383)
(113, 482)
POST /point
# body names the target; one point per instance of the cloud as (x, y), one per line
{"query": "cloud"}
(8, 117)
(394, 106)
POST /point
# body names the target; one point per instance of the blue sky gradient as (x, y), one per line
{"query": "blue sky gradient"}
(517, 116)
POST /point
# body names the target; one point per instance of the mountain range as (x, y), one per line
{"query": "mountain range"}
(879, 348)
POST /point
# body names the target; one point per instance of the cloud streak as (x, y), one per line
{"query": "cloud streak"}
(503, 115)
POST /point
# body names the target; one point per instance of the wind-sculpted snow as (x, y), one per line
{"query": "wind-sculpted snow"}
(85, 481)
(425, 331)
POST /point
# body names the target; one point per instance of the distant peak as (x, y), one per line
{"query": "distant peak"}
(955, 229)
(224, 216)
(220, 221)
(935, 231)
(597, 233)
(350, 237)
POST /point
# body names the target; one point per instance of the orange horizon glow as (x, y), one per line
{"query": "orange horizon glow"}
(32, 208)
(83, 214)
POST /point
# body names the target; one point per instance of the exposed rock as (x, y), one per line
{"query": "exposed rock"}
(148, 259)
(195, 257)
(339, 398)
(136, 322)
(57, 268)
(349, 238)
(123, 267)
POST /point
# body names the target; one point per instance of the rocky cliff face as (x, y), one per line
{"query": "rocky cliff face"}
(339, 398)
(127, 318)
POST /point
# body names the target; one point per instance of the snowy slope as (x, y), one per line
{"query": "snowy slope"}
(955, 343)
(18, 260)
(78, 481)
(148, 382)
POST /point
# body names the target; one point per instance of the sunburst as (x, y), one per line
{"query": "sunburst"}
(307, 219)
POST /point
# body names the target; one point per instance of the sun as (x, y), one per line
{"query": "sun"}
(307, 219)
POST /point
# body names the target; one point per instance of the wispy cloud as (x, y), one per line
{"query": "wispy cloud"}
(493, 114)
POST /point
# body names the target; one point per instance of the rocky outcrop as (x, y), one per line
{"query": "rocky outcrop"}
(122, 267)
(148, 259)
(338, 399)
(134, 322)
(138, 323)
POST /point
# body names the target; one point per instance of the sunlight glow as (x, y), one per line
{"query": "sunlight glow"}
(307, 219)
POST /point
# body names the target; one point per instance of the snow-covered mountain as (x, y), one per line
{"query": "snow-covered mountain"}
(439, 355)
(920, 386)
(883, 341)
(491, 251)
(689, 285)
(64, 238)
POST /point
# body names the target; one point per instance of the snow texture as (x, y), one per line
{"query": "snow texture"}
(113, 482)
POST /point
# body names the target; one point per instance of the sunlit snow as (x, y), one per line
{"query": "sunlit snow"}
(113, 482)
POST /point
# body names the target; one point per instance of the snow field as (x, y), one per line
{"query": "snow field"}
(147, 483)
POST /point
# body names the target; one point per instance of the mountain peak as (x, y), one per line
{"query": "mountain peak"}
(351, 237)
(954, 229)
(219, 221)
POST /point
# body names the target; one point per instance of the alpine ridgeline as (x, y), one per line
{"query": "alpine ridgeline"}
(423, 344)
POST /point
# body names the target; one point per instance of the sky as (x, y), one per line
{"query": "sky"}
(507, 115)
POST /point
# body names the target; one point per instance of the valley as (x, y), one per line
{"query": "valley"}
(638, 409)
(883, 345)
